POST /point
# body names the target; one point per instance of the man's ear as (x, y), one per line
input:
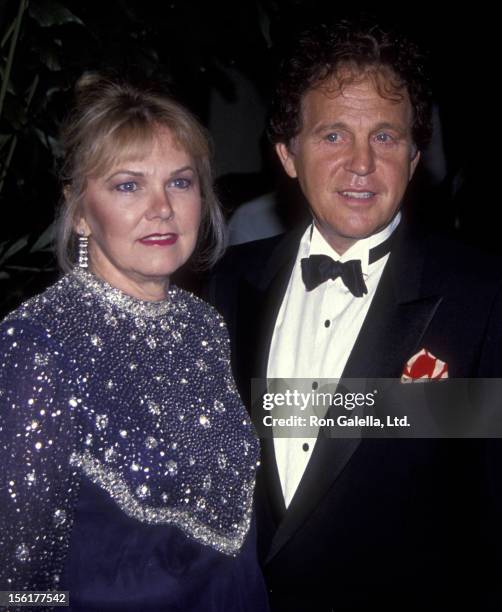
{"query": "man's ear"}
(287, 158)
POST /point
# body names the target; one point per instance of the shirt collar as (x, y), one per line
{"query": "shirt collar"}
(314, 243)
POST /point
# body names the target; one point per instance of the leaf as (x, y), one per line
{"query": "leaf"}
(14, 113)
(45, 239)
(10, 87)
(51, 60)
(41, 136)
(4, 138)
(15, 248)
(48, 13)
(265, 25)
(48, 55)
(56, 146)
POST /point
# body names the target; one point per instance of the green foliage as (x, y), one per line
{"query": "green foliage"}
(34, 85)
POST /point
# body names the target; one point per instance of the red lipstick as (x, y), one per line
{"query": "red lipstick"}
(159, 239)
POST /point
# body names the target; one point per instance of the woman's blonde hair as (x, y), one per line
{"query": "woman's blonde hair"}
(113, 120)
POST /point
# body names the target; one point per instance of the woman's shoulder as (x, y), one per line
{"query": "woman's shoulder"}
(196, 307)
(39, 303)
(30, 327)
(39, 315)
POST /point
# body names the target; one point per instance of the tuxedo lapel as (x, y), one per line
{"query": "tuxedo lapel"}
(256, 330)
(398, 317)
(260, 301)
(327, 462)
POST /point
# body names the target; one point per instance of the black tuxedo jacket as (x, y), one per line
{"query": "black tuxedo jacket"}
(380, 524)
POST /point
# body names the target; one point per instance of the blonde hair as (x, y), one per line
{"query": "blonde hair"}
(114, 120)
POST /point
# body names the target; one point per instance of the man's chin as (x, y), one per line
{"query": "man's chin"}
(342, 238)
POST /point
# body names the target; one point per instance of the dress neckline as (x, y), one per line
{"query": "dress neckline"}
(123, 301)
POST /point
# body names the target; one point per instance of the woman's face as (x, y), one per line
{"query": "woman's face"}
(142, 218)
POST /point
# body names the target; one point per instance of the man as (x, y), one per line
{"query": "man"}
(351, 524)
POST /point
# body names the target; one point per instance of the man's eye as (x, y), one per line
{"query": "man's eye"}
(128, 187)
(384, 138)
(181, 183)
(333, 137)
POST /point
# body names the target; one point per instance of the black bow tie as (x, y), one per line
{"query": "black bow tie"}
(317, 269)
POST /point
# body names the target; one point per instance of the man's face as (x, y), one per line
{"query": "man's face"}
(353, 157)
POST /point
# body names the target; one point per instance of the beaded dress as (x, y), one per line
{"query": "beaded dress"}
(127, 459)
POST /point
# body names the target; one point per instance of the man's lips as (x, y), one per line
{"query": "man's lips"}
(357, 194)
(159, 239)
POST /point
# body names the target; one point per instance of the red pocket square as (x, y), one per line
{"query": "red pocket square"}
(424, 366)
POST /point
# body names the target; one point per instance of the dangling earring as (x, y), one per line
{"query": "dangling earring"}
(83, 255)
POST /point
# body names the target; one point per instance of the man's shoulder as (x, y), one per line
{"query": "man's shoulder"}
(457, 261)
(248, 260)
(443, 258)
(247, 265)
(254, 251)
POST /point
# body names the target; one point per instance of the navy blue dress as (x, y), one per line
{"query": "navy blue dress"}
(119, 564)
(130, 460)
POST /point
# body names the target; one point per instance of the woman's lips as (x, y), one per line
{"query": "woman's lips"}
(159, 239)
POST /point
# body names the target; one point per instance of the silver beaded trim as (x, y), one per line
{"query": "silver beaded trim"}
(117, 488)
(134, 306)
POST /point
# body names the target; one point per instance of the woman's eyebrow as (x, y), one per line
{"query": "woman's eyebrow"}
(136, 173)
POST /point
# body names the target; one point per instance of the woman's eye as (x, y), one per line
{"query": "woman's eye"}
(181, 183)
(128, 187)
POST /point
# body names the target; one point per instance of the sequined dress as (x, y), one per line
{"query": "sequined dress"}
(128, 461)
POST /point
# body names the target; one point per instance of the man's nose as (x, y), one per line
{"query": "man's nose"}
(160, 206)
(361, 159)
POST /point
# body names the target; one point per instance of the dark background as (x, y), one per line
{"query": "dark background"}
(218, 58)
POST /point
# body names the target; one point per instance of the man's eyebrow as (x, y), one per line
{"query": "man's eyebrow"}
(340, 125)
(136, 173)
(326, 127)
(385, 125)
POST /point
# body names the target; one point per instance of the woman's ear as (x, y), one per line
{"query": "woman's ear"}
(81, 227)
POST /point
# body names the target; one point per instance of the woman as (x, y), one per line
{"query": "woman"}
(128, 458)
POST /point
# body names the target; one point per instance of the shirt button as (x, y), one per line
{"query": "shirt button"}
(305, 446)
(315, 384)
(327, 323)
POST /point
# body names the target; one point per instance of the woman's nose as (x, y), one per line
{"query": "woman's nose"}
(160, 206)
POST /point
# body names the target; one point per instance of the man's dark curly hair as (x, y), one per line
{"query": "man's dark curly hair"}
(320, 52)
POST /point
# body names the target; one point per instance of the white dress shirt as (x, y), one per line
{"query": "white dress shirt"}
(315, 333)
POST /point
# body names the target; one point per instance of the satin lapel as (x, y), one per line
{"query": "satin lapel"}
(328, 460)
(256, 325)
(259, 305)
(259, 301)
(394, 326)
(398, 317)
